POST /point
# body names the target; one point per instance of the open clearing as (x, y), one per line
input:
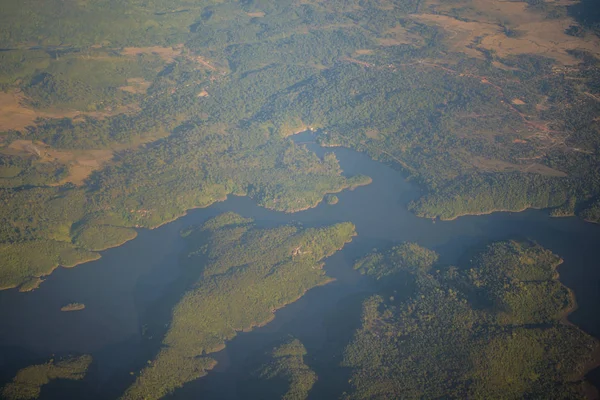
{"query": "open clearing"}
(168, 54)
(491, 165)
(16, 115)
(136, 86)
(483, 24)
(81, 163)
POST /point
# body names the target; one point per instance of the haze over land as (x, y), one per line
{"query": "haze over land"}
(120, 118)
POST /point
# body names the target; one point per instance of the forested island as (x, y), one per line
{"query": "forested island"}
(245, 274)
(287, 365)
(72, 307)
(29, 381)
(493, 328)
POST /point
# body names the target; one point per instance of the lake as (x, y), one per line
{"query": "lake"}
(128, 292)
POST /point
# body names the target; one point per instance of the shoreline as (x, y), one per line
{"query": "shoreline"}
(591, 392)
(480, 213)
(272, 316)
(40, 278)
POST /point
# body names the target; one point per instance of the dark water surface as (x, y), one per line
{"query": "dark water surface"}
(128, 291)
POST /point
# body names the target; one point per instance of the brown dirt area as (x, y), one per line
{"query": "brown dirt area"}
(398, 35)
(373, 134)
(491, 165)
(168, 54)
(482, 22)
(15, 115)
(81, 163)
(136, 85)
(256, 14)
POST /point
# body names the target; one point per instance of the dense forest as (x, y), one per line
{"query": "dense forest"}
(142, 118)
(120, 116)
(287, 364)
(493, 328)
(29, 381)
(243, 275)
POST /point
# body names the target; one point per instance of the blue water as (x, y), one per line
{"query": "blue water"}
(121, 291)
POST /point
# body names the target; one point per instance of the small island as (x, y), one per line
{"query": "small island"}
(332, 199)
(286, 362)
(72, 307)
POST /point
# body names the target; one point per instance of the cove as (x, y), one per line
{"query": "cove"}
(121, 291)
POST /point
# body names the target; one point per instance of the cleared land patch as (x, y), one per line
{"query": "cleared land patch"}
(168, 54)
(507, 28)
(136, 86)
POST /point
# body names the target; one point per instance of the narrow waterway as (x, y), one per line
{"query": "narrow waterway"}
(125, 288)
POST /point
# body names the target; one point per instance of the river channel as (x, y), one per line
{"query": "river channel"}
(121, 290)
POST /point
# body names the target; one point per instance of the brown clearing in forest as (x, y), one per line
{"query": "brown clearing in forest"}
(15, 115)
(168, 54)
(81, 163)
(256, 14)
(136, 85)
(485, 25)
(398, 35)
(492, 165)
(372, 133)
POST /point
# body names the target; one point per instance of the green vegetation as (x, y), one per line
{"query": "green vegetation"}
(26, 171)
(404, 257)
(73, 307)
(29, 381)
(214, 89)
(109, 236)
(566, 210)
(498, 192)
(592, 212)
(45, 227)
(287, 363)
(492, 329)
(246, 274)
(332, 199)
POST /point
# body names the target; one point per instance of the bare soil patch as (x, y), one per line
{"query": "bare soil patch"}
(168, 54)
(492, 165)
(81, 163)
(396, 36)
(136, 86)
(483, 24)
(16, 115)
